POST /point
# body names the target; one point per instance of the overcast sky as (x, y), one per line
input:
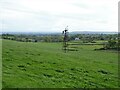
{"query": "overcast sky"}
(55, 15)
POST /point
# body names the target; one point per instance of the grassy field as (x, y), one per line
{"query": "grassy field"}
(0, 64)
(41, 65)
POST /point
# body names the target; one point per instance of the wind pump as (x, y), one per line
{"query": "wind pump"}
(65, 39)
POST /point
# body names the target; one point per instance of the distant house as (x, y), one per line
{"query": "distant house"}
(77, 39)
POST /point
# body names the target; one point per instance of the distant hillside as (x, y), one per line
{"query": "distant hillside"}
(33, 33)
(59, 33)
(92, 32)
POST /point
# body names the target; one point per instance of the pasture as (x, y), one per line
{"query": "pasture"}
(0, 63)
(45, 65)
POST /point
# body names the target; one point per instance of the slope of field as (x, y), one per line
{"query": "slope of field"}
(0, 64)
(41, 65)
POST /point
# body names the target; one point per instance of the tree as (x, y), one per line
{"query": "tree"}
(112, 43)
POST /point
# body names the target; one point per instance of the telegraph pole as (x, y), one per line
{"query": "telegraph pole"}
(65, 39)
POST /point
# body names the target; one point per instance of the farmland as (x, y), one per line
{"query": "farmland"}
(0, 63)
(45, 65)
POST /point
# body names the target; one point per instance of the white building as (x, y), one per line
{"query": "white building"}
(77, 39)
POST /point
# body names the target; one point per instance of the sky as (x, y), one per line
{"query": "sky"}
(55, 15)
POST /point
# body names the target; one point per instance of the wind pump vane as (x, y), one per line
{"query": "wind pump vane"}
(65, 39)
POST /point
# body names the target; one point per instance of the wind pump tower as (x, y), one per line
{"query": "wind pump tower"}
(65, 39)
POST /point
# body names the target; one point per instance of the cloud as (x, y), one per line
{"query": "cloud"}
(55, 15)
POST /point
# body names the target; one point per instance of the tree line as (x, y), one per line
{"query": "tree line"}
(33, 38)
(113, 41)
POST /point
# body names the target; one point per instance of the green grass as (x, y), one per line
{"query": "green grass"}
(45, 65)
(0, 64)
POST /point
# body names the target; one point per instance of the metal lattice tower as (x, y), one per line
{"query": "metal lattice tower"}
(65, 39)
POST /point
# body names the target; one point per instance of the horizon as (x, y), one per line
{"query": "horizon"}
(55, 15)
(54, 32)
